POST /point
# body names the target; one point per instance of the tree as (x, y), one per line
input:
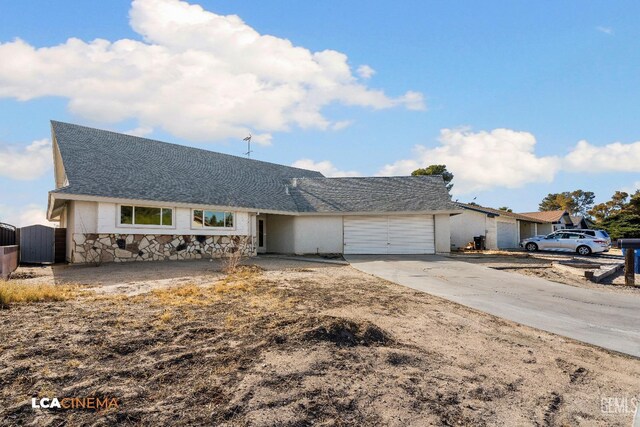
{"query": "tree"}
(436, 170)
(576, 202)
(616, 204)
(620, 218)
(506, 209)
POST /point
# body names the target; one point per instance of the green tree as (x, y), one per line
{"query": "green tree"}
(576, 202)
(616, 204)
(620, 218)
(506, 209)
(436, 170)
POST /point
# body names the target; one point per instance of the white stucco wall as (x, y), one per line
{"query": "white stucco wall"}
(107, 223)
(70, 225)
(515, 240)
(85, 216)
(280, 234)
(318, 234)
(102, 218)
(491, 241)
(443, 233)
(469, 224)
(303, 234)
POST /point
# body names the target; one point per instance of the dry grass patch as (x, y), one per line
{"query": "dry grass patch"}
(12, 292)
(241, 283)
(331, 346)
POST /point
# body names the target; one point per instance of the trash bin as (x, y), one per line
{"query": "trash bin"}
(478, 243)
(636, 263)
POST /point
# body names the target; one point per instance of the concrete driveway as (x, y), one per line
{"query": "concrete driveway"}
(605, 319)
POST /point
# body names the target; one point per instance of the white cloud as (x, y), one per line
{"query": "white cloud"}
(365, 71)
(506, 158)
(324, 167)
(605, 30)
(343, 124)
(24, 215)
(197, 75)
(482, 160)
(26, 163)
(140, 131)
(615, 157)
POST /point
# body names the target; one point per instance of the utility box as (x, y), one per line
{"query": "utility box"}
(631, 262)
(637, 260)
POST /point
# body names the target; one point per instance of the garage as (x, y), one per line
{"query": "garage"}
(507, 235)
(389, 234)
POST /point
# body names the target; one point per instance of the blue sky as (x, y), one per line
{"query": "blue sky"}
(502, 92)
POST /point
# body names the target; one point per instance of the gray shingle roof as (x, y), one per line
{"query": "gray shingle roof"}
(499, 212)
(372, 194)
(109, 164)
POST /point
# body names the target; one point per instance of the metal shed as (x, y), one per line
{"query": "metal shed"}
(37, 244)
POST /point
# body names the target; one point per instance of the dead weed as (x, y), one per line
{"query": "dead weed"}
(12, 292)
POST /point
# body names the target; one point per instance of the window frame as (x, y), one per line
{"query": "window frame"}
(133, 217)
(205, 227)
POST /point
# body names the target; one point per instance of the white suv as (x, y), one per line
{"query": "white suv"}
(596, 234)
(566, 241)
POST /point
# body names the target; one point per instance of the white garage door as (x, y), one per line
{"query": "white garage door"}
(394, 234)
(507, 235)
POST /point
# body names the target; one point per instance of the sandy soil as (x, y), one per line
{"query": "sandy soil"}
(294, 344)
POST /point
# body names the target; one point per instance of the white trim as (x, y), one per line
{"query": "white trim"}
(161, 203)
(133, 217)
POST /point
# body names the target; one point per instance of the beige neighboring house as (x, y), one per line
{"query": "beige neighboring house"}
(553, 220)
(126, 198)
(502, 229)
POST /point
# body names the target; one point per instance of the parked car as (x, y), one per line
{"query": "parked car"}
(598, 234)
(566, 241)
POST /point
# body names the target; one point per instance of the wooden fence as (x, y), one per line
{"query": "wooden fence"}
(8, 260)
(8, 235)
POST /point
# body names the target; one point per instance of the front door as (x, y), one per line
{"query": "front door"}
(262, 236)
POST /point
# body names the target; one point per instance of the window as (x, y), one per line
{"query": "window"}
(146, 215)
(572, 236)
(204, 218)
(126, 214)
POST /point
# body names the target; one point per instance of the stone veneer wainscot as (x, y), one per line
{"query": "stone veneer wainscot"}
(97, 248)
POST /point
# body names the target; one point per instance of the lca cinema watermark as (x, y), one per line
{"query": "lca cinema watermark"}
(82, 403)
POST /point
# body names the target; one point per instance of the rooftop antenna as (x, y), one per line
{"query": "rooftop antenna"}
(248, 139)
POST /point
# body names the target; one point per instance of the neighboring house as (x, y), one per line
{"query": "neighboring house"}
(125, 198)
(581, 222)
(502, 229)
(554, 220)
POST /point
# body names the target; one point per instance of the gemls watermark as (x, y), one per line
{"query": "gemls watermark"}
(94, 403)
(621, 405)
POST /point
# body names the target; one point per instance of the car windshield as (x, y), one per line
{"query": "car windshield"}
(551, 236)
(604, 233)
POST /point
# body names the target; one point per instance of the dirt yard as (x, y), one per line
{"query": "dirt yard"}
(292, 344)
(541, 264)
